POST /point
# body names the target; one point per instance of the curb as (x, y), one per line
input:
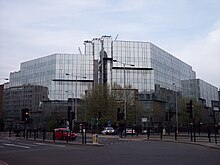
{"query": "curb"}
(173, 141)
(63, 142)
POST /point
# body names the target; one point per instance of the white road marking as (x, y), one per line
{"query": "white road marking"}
(15, 145)
(31, 145)
(3, 163)
(55, 145)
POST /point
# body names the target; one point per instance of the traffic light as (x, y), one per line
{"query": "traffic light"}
(120, 115)
(73, 115)
(189, 107)
(25, 115)
(69, 112)
(168, 116)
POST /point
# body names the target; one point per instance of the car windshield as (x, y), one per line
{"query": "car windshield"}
(129, 128)
(64, 130)
(109, 128)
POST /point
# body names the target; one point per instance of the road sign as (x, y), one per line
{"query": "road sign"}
(144, 120)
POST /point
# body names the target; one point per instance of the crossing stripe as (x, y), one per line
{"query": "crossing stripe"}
(3, 163)
(31, 145)
(55, 145)
(14, 145)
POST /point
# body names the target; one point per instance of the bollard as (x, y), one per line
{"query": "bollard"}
(44, 135)
(216, 131)
(148, 133)
(191, 133)
(53, 135)
(85, 136)
(24, 133)
(62, 135)
(67, 136)
(30, 133)
(194, 132)
(37, 132)
(27, 134)
(209, 134)
(82, 134)
(95, 139)
(161, 133)
(34, 134)
(175, 133)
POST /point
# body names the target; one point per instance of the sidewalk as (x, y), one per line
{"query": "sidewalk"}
(89, 141)
(201, 141)
(182, 138)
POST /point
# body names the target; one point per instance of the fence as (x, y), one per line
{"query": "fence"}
(190, 135)
(208, 136)
(64, 136)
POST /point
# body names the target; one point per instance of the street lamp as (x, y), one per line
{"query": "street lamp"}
(76, 78)
(177, 125)
(125, 108)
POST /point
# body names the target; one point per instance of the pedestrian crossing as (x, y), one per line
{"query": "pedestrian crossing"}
(5, 144)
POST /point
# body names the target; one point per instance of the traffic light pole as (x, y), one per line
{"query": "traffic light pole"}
(191, 112)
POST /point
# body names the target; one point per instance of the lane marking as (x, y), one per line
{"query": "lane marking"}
(3, 163)
(53, 145)
(31, 145)
(15, 145)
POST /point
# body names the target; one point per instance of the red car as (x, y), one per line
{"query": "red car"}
(64, 133)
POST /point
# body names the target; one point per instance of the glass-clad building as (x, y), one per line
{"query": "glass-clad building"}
(158, 77)
(65, 75)
(139, 64)
(201, 90)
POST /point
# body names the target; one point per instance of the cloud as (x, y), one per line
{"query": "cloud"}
(203, 53)
(31, 29)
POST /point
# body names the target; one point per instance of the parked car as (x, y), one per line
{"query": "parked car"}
(130, 131)
(64, 133)
(144, 131)
(108, 131)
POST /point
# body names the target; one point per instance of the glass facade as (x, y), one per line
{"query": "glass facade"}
(158, 77)
(142, 64)
(61, 73)
(199, 89)
(134, 61)
(169, 69)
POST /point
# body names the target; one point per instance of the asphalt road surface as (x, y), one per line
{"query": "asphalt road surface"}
(114, 152)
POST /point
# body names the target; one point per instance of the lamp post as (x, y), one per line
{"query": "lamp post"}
(69, 114)
(76, 79)
(177, 122)
(125, 100)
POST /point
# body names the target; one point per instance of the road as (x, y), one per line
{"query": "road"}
(18, 152)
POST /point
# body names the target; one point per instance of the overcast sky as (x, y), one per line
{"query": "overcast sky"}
(188, 29)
